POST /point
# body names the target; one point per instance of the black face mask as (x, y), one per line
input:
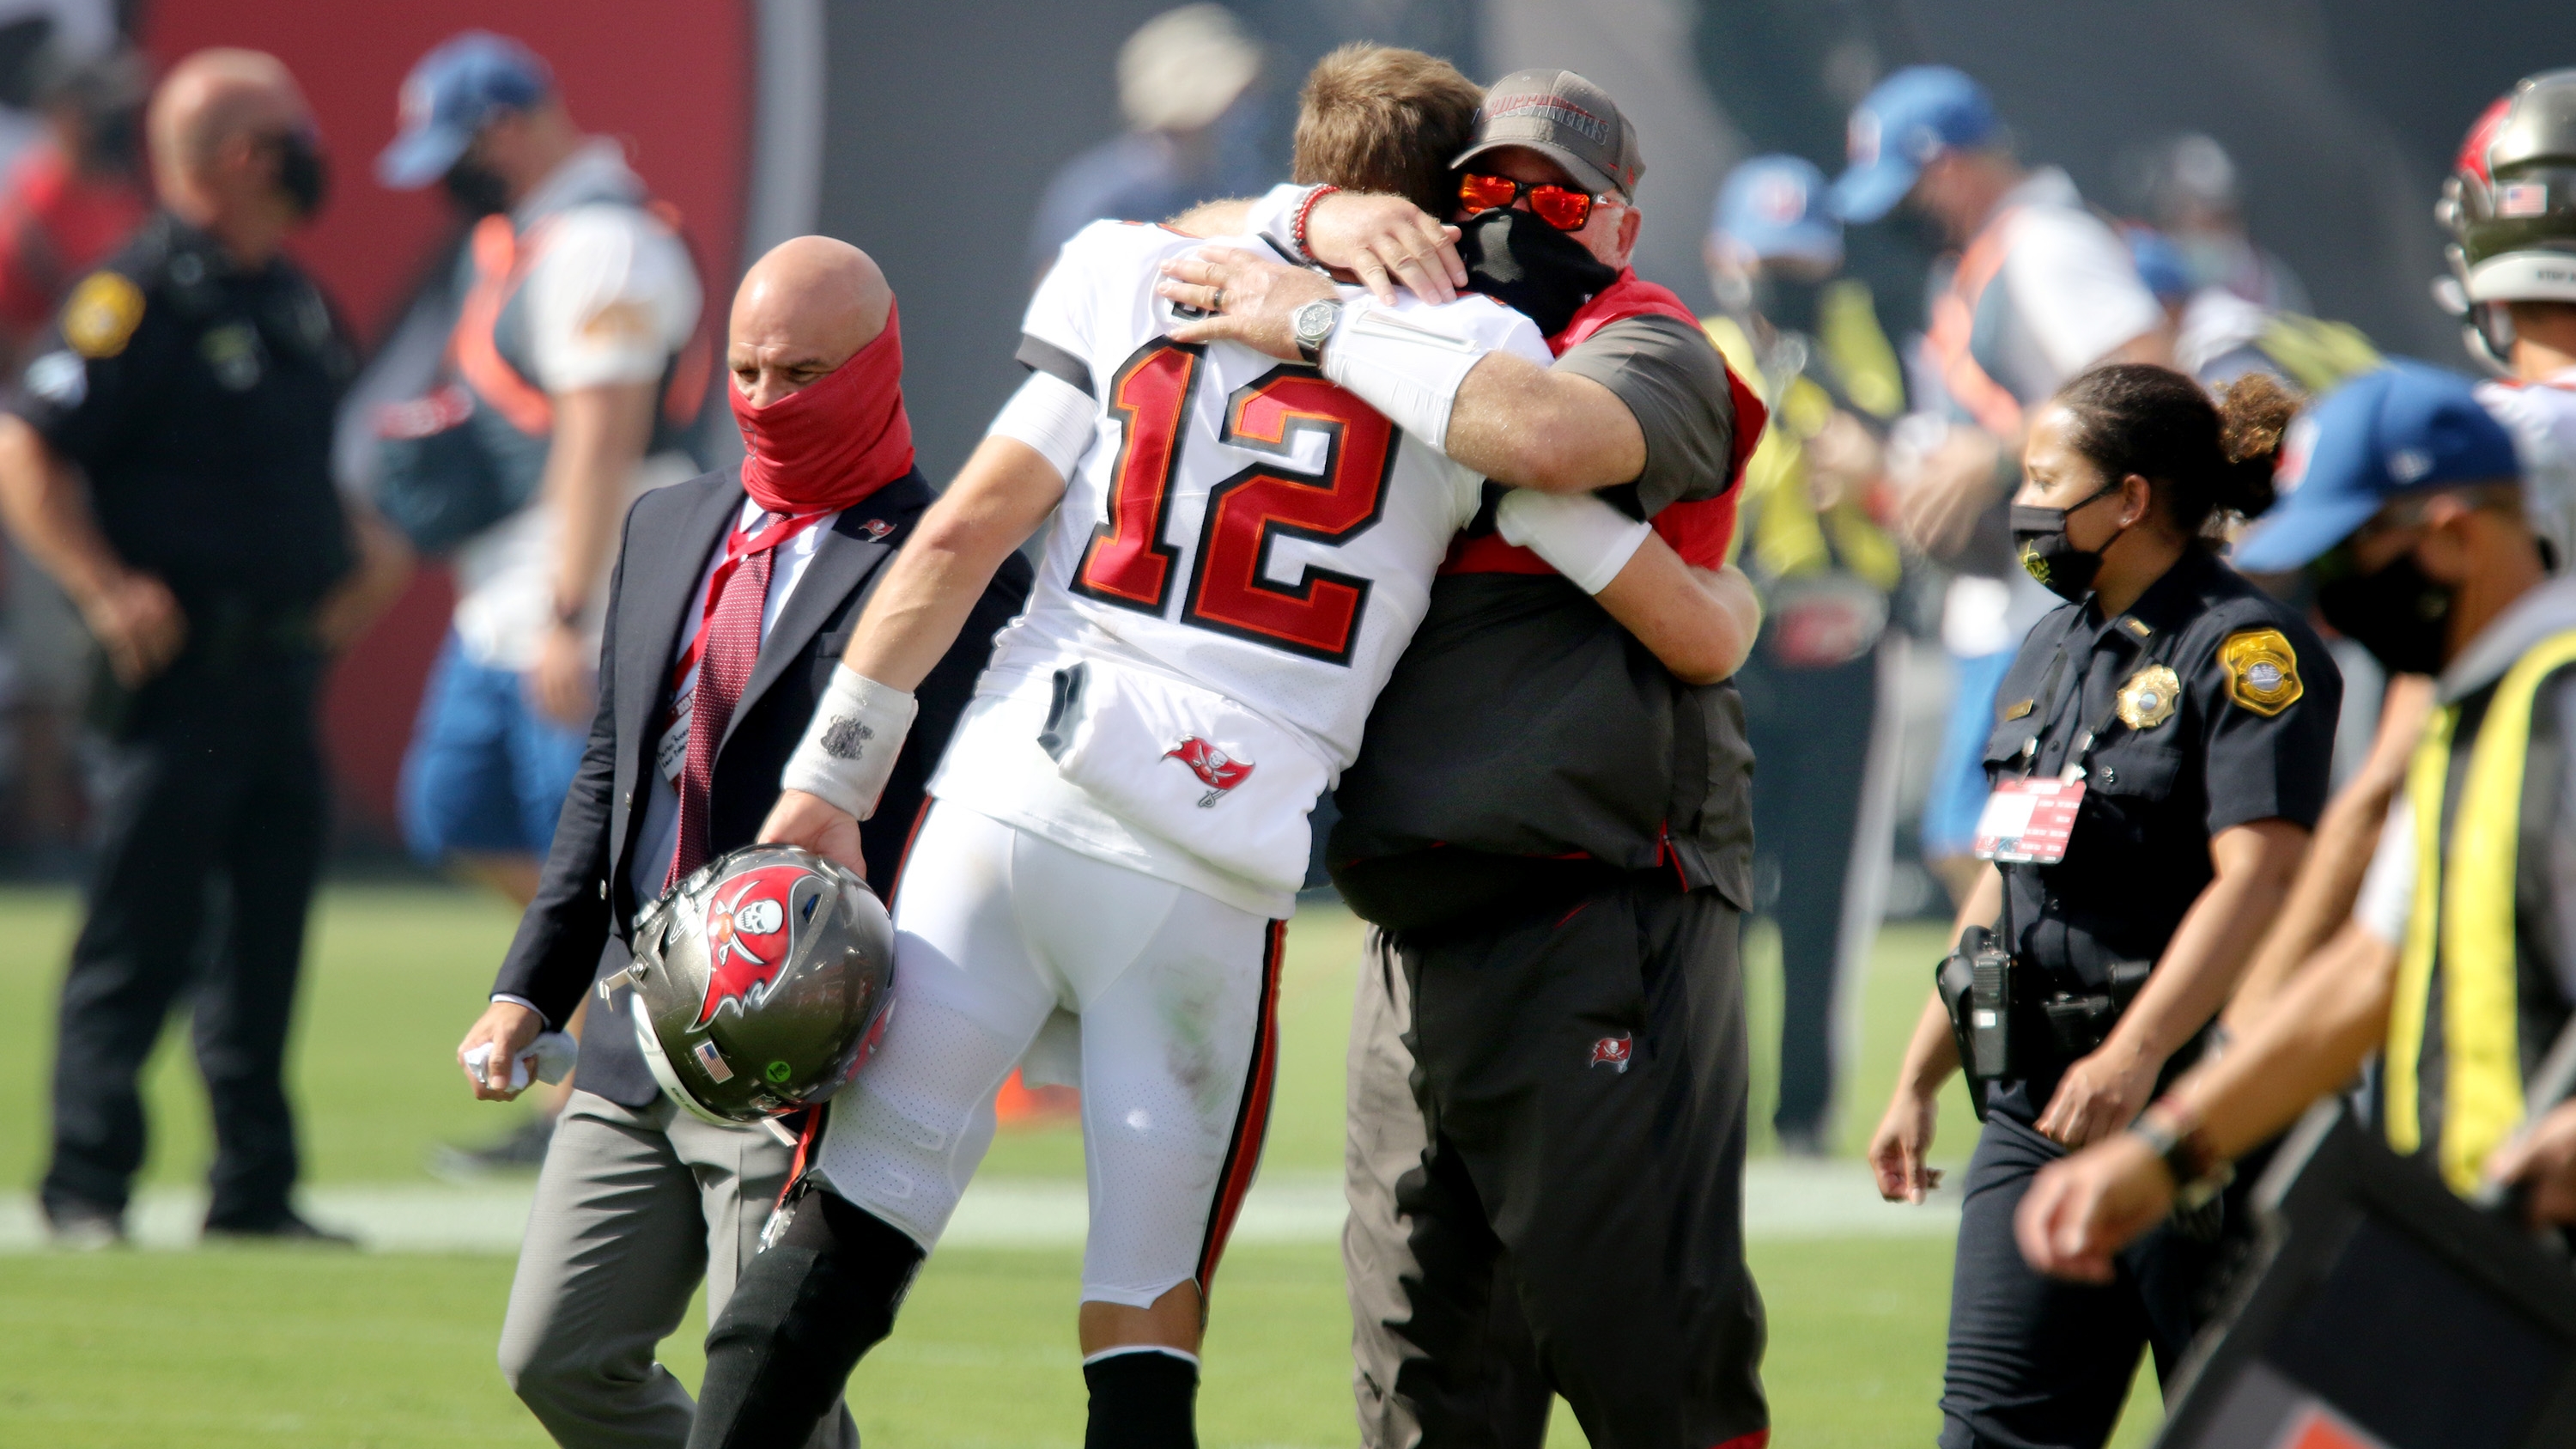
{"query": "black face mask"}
(2048, 556)
(301, 172)
(1787, 304)
(477, 190)
(2397, 614)
(1921, 230)
(1531, 267)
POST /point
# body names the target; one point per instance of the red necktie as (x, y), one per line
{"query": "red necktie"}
(727, 646)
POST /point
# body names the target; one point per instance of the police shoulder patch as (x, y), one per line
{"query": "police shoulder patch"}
(102, 314)
(2262, 670)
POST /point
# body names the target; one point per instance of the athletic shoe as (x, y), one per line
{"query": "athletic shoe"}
(291, 1228)
(84, 1228)
(524, 1150)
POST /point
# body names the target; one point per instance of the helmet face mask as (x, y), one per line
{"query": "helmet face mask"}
(762, 983)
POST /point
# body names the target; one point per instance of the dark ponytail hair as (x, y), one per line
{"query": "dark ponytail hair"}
(2204, 460)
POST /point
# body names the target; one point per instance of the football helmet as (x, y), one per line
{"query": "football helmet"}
(762, 983)
(2510, 210)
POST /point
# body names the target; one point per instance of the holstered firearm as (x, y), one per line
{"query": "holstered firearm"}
(2077, 1023)
(1975, 982)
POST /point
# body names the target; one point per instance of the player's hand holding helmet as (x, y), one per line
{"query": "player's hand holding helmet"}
(762, 983)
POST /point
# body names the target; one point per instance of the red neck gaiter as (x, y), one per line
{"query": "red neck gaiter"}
(834, 443)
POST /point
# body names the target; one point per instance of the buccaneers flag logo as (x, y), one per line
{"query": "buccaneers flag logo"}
(1613, 1051)
(750, 933)
(1215, 768)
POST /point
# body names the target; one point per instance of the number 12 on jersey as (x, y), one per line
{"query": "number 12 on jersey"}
(1128, 564)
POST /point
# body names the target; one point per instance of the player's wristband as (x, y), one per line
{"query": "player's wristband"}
(1050, 415)
(1406, 370)
(1580, 536)
(849, 750)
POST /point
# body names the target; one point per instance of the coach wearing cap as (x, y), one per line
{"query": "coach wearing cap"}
(1552, 830)
(733, 595)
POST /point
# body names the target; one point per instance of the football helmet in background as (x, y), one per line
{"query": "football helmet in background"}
(2510, 210)
(762, 983)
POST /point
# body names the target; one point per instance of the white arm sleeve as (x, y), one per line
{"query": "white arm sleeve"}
(849, 749)
(1580, 536)
(2387, 896)
(1050, 415)
(1404, 368)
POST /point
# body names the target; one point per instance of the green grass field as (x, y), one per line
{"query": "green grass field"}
(266, 1348)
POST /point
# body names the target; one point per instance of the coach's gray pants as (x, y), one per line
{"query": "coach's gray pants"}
(1383, 1140)
(633, 1206)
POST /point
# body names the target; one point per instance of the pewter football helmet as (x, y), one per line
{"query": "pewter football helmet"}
(762, 983)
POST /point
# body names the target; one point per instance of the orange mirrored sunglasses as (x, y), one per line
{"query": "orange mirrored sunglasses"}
(1561, 207)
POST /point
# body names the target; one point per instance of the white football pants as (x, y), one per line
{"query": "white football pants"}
(995, 929)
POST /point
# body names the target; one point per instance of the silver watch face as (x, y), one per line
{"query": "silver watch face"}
(1314, 321)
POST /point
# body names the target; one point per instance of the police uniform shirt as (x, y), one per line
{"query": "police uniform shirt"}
(2210, 705)
(198, 398)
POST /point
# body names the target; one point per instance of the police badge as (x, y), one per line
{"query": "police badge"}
(2148, 699)
(2262, 671)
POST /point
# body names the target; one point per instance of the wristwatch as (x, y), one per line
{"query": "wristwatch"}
(2199, 1173)
(1313, 323)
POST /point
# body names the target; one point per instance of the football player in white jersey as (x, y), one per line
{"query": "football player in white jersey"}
(1241, 549)
(2513, 260)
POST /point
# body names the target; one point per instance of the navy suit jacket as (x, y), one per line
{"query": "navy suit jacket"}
(576, 930)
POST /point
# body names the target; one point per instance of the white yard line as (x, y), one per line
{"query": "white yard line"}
(1784, 1200)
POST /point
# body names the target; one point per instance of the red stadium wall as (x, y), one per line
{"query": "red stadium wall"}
(672, 78)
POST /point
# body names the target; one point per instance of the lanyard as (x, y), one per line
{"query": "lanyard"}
(739, 546)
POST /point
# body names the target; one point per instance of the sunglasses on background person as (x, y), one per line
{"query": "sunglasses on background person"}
(1561, 207)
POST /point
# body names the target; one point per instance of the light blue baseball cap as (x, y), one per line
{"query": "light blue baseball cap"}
(1774, 206)
(450, 94)
(2400, 429)
(1899, 127)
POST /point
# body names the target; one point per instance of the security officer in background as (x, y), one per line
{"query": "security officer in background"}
(1827, 571)
(169, 465)
(2158, 757)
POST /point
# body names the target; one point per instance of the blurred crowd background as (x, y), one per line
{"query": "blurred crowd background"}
(2283, 153)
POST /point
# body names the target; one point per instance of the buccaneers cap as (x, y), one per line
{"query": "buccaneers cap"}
(1566, 118)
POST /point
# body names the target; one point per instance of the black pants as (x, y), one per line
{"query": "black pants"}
(1810, 731)
(2036, 1363)
(211, 817)
(1581, 1075)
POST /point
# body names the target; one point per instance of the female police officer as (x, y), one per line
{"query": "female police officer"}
(2159, 755)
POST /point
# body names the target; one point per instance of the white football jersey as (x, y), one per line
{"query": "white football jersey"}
(1238, 520)
(2542, 418)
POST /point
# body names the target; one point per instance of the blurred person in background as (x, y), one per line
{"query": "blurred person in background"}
(1189, 86)
(733, 594)
(2034, 289)
(572, 376)
(2218, 336)
(1814, 543)
(2452, 963)
(169, 466)
(2159, 764)
(69, 200)
(2189, 189)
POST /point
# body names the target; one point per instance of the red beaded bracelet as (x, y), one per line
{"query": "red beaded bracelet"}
(1305, 210)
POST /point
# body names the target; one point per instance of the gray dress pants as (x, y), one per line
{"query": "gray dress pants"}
(633, 1206)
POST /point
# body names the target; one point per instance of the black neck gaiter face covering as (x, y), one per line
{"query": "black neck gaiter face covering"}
(1530, 267)
(2397, 613)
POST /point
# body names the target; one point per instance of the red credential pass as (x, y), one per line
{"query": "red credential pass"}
(2027, 821)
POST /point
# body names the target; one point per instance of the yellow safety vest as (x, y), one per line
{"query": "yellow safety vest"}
(1785, 531)
(2461, 929)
